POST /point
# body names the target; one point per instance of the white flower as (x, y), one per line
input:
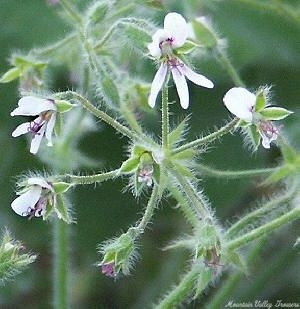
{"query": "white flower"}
(42, 126)
(241, 102)
(173, 36)
(33, 200)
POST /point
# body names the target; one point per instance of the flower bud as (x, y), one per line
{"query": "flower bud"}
(119, 254)
(12, 261)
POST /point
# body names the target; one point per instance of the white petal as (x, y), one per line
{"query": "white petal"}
(158, 37)
(22, 204)
(36, 140)
(181, 85)
(36, 181)
(49, 128)
(31, 106)
(176, 25)
(196, 78)
(240, 102)
(157, 83)
(21, 129)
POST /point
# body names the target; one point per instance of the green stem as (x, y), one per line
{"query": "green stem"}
(60, 267)
(91, 179)
(230, 284)
(185, 288)
(149, 210)
(258, 213)
(229, 68)
(285, 11)
(99, 114)
(54, 47)
(267, 228)
(72, 12)
(229, 127)
(165, 116)
(184, 206)
(196, 201)
(209, 171)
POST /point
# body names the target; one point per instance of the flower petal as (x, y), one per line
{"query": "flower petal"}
(36, 181)
(176, 25)
(196, 78)
(49, 128)
(154, 47)
(31, 106)
(240, 102)
(36, 140)
(157, 83)
(22, 204)
(182, 88)
(21, 129)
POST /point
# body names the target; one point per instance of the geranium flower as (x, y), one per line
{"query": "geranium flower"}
(253, 110)
(42, 126)
(164, 44)
(34, 198)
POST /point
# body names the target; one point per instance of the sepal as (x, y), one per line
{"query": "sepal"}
(275, 113)
(10, 75)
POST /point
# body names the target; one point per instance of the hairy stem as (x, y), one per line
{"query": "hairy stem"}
(196, 201)
(229, 68)
(209, 171)
(149, 210)
(267, 228)
(99, 114)
(60, 267)
(229, 127)
(165, 116)
(184, 206)
(91, 179)
(243, 222)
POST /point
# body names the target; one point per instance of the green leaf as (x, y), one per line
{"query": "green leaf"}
(61, 187)
(261, 101)
(98, 12)
(62, 210)
(236, 259)
(10, 75)
(275, 113)
(183, 170)
(280, 173)
(254, 136)
(289, 154)
(175, 137)
(63, 106)
(130, 165)
(137, 36)
(204, 35)
(138, 150)
(187, 48)
(206, 274)
(185, 155)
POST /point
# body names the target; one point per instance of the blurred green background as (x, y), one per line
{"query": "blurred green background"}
(265, 47)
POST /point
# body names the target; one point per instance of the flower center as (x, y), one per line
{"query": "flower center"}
(38, 209)
(166, 46)
(268, 129)
(35, 126)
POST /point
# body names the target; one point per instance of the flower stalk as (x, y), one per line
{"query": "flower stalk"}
(99, 114)
(229, 127)
(165, 116)
(267, 228)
